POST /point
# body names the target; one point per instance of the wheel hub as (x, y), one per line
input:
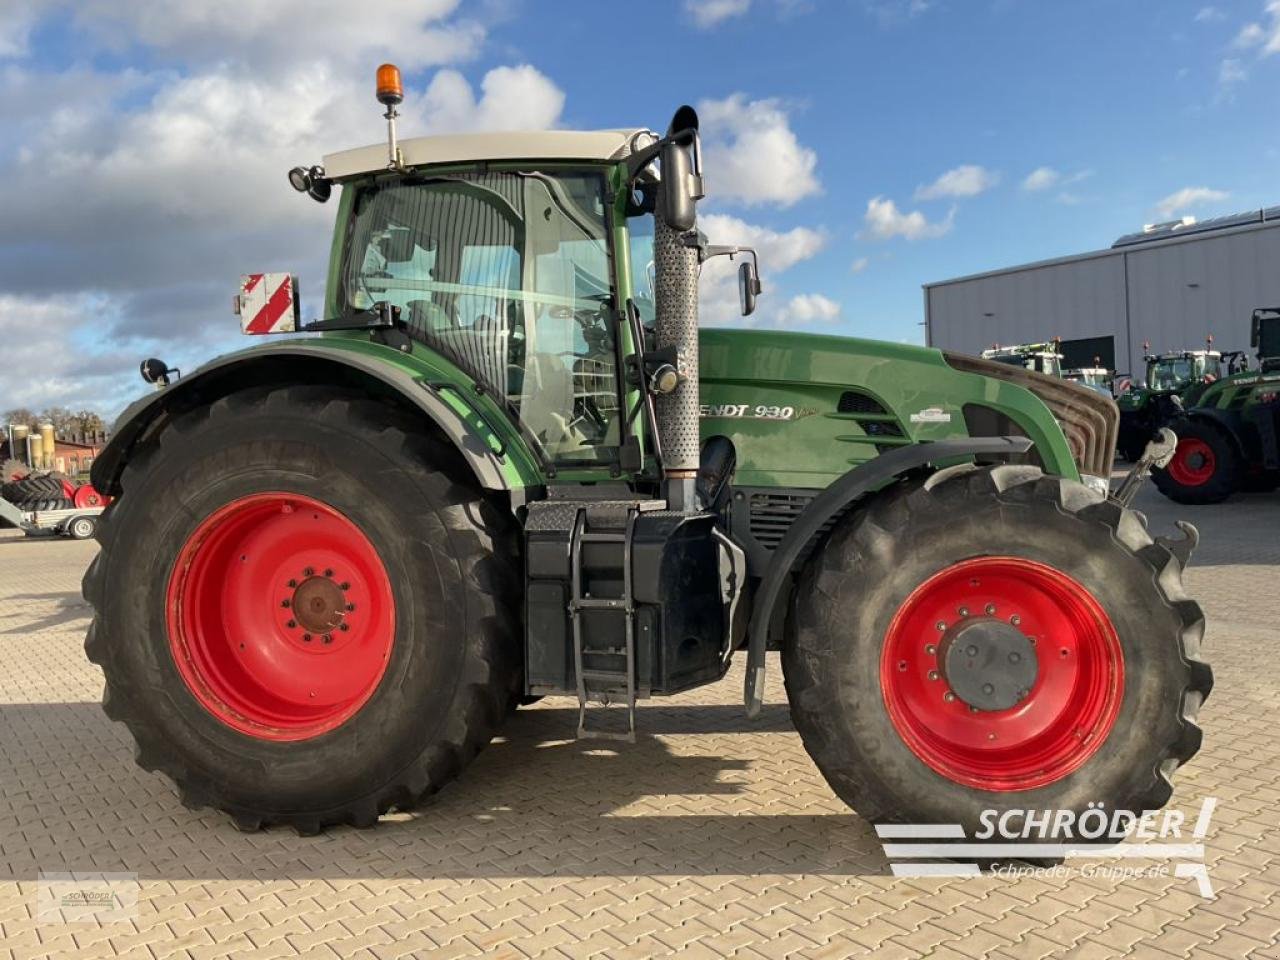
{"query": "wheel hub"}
(989, 664)
(319, 605)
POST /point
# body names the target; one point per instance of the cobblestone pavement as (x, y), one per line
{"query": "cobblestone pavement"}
(712, 836)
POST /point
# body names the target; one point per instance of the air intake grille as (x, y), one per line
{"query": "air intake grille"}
(851, 401)
(773, 513)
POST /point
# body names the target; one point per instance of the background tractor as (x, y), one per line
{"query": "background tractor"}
(512, 465)
(1229, 437)
(1043, 358)
(1174, 381)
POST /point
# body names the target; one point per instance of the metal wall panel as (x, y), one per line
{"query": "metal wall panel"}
(1175, 294)
(1080, 298)
(1182, 293)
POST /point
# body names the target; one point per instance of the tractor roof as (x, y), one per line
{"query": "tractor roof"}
(589, 145)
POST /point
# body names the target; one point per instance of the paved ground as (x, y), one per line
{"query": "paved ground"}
(712, 836)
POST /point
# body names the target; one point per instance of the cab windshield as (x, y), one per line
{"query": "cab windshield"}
(1170, 373)
(508, 275)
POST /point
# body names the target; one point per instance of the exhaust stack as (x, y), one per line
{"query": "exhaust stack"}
(676, 267)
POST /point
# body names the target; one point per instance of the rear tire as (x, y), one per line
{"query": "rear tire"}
(442, 615)
(1204, 468)
(854, 602)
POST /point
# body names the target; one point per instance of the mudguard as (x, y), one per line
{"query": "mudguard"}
(317, 361)
(859, 481)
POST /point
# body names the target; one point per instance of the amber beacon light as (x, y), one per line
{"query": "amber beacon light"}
(390, 89)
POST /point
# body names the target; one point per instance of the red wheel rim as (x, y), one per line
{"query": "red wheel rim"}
(1193, 462)
(1064, 716)
(281, 617)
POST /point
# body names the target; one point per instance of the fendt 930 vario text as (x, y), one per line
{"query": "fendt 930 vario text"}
(511, 465)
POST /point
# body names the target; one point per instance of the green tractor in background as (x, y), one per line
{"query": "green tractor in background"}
(512, 465)
(1175, 380)
(1043, 358)
(1229, 436)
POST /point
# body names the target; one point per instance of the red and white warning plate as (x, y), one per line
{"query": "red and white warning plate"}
(268, 303)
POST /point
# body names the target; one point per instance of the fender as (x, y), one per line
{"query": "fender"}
(301, 361)
(857, 482)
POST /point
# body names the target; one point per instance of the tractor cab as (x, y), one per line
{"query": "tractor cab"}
(1264, 337)
(1043, 358)
(1171, 371)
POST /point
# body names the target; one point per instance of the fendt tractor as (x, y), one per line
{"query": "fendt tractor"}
(1229, 436)
(1043, 358)
(1175, 380)
(511, 465)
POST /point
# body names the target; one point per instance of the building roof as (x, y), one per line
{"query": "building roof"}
(1189, 225)
(589, 145)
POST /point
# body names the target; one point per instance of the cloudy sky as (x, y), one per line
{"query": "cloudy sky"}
(865, 146)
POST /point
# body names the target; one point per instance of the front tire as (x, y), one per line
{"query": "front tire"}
(909, 593)
(304, 609)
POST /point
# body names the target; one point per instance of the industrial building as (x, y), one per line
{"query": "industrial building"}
(1172, 284)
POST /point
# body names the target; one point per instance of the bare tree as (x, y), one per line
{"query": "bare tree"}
(20, 416)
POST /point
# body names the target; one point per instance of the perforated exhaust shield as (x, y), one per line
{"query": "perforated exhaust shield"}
(676, 300)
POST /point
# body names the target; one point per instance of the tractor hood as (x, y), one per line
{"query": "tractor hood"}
(802, 409)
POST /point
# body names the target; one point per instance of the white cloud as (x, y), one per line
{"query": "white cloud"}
(283, 33)
(1041, 178)
(967, 180)
(1230, 75)
(1265, 37)
(17, 17)
(1208, 15)
(708, 13)
(807, 309)
(1185, 199)
(860, 265)
(893, 12)
(752, 154)
(512, 98)
(778, 252)
(158, 186)
(884, 221)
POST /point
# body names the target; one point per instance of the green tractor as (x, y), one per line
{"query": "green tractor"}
(512, 465)
(1043, 358)
(1229, 437)
(1175, 380)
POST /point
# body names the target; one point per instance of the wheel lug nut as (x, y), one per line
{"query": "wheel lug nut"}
(991, 608)
(327, 638)
(973, 709)
(328, 571)
(350, 607)
(293, 583)
(344, 585)
(291, 624)
(285, 603)
(941, 625)
(988, 689)
(964, 611)
(1015, 619)
(306, 637)
(309, 572)
(344, 627)
(933, 674)
(949, 697)
(930, 649)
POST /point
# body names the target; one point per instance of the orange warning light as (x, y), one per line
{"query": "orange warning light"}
(390, 89)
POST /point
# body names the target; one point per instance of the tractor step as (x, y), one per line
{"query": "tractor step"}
(596, 684)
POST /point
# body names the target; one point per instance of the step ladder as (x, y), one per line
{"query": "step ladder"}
(615, 681)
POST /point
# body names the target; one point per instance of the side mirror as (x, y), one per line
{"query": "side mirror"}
(675, 199)
(748, 287)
